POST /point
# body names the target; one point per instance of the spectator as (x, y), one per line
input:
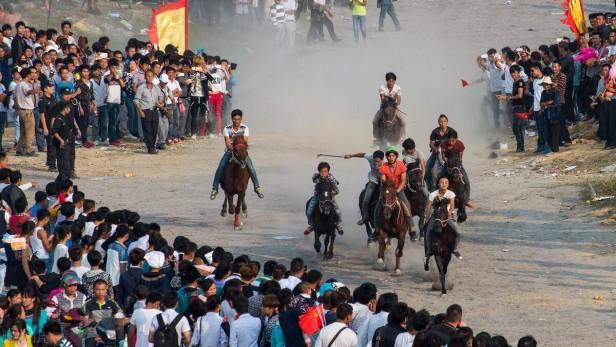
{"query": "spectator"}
(141, 320)
(169, 317)
(338, 334)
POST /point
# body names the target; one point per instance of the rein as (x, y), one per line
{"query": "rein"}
(234, 159)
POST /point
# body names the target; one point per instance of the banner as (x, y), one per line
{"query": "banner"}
(574, 16)
(169, 25)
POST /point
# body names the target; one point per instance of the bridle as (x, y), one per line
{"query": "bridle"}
(234, 159)
(328, 200)
(456, 173)
(412, 183)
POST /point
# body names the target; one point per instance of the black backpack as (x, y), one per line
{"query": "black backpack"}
(166, 335)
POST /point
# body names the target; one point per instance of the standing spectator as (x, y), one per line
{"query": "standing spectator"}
(364, 298)
(24, 104)
(99, 118)
(166, 112)
(95, 258)
(384, 305)
(537, 74)
(86, 103)
(495, 69)
(453, 319)
(245, 329)
(4, 102)
(141, 321)
(47, 109)
(277, 16)
(208, 330)
(387, 7)
(560, 84)
(148, 99)
(18, 43)
(415, 324)
(171, 318)
(174, 91)
(128, 95)
(116, 254)
(359, 18)
(64, 140)
(338, 334)
(290, 27)
(156, 279)
(386, 336)
(550, 106)
(216, 94)
(114, 83)
(518, 107)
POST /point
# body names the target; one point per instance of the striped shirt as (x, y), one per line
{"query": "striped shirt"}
(277, 15)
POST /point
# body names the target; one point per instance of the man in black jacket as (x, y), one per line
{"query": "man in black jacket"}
(386, 336)
(452, 322)
(19, 43)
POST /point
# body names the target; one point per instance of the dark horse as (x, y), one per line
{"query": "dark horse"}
(390, 129)
(392, 223)
(414, 194)
(370, 222)
(235, 181)
(443, 241)
(453, 171)
(324, 219)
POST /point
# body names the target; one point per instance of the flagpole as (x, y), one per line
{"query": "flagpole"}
(186, 26)
(49, 12)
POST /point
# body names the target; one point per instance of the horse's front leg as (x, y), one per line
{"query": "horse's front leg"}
(223, 212)
(330, 252)
(326, 244)
(229, 198)
(440, 266)
(399, 251)
(317, 242)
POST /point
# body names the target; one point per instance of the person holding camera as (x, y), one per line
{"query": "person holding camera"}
(148, 99)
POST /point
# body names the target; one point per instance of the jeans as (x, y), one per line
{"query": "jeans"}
(365, 205)
(391, 10)
(289, 33)
(543, 131)
(99, 126)
(495, 108)
(198, 114)
(518, 126)
(38, 131)
(133, 119)
(359, 25)
(222, 165)
(313, 204)
(406, 206)
(428, 236)
(429, 165)
(330, 28)
(174, 122)
(112, 111)
(2, 127)
(279, 35)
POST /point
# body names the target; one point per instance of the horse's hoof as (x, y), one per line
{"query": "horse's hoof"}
(223, 213)
(443, 295)
(380, 261)
(397, 272)
(245, 214)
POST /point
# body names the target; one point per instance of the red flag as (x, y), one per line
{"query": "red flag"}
(464, 83)
(169, 25)
(313, 320)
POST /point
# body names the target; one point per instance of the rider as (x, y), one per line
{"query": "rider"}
(443, 193)
(390, 90)
(376, 162)
(323, 176)
(235, 129)
(395, 172)
(413, 155)
(451, 143)
(436, 137)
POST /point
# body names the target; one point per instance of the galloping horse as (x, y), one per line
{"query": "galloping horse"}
(370, 223)
(442, 241)
(414, 194)
(390, 128)
(324, 219)
(392, 223)
(454, 173)
(235, 181)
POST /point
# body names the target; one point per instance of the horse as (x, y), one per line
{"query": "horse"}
(370, 223)
(436, 171)
(390, 129)
(442, 242)
(324, 219)
(453, 171)
(414, 194)
(235, 181)
(392, 222)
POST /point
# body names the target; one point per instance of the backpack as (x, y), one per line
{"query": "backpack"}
(166, 335)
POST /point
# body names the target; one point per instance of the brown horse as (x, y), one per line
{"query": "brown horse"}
(390, 129)
(414, 194)
(443, 242)
(235, 181)
(453, 171)
(392, 223)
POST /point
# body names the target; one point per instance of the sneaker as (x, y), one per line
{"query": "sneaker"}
(194, 137)
(96, 143)
(104, 143)
(161, 147)
(130, 137)
(213, 194)
(52, 169)
(361, 221)
(339, 229)
(259, 192)
(211, 136)
(154, 151)
(308, 230)
(457, 254)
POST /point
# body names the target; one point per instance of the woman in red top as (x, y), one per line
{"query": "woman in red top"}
(395, 171)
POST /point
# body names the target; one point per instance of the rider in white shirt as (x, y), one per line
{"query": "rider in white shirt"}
(390, 90)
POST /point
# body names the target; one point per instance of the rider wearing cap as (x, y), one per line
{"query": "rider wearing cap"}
(395, 172)
(235, 129)
(443, 193)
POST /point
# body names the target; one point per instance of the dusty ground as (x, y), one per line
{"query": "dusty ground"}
(535, 254)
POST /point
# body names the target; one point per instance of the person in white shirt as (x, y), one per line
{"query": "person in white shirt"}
(76, 256)
(208, 330)
(338, 334)
(443, 194)
(169, 302)
(290, 27)
(365, 304)
(415, 324)
(495, 68)
(391, 90)
(141, 320)
(245, 330)
(383, 305)
(174, 90)
(297, 271)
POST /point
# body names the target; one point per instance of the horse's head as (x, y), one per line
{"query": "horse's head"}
(325, 192)
(454, 166)
(389, 199)
(389, 108)
(416, 181)
(441, 215)
(240, 150)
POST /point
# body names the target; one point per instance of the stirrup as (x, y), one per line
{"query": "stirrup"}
(259, 192)
(213, 194)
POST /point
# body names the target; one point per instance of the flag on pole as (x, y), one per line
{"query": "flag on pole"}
(574, 16)
(169, 25)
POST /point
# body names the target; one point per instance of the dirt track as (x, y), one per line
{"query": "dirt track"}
(534, 256)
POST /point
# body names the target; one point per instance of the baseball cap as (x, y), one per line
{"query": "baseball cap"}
(156, 259)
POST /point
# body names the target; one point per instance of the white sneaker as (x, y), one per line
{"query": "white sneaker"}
(129, 137)
(105, 143)
(194, 137)
(211, 136)
(96, 143)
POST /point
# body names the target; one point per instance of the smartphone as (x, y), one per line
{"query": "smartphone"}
(233, 66)
(75, 188)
